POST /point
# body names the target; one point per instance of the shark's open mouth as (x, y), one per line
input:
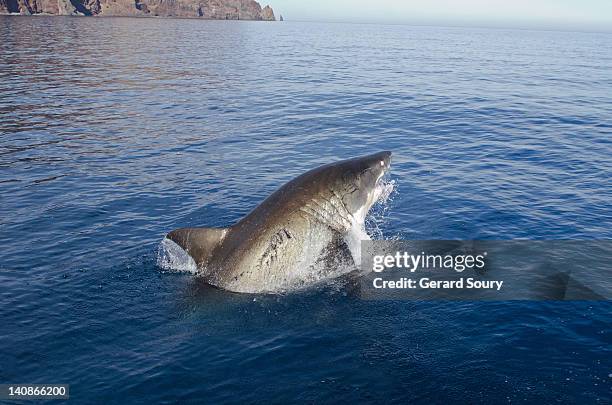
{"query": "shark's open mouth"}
(384, 187)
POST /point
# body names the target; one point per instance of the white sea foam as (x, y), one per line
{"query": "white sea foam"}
(171, 257)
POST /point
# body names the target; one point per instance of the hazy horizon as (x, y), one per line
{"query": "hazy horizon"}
(539, 14)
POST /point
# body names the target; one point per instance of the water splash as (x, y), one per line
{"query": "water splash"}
(172, 257)
(378, 213)
(325, 272)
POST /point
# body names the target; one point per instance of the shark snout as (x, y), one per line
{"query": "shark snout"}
(383, 159)
(387, 160)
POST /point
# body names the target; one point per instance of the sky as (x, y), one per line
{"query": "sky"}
(579, 14)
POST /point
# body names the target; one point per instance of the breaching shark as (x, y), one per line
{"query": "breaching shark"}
(275, 246)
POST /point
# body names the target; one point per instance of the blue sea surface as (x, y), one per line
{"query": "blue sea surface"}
(114, 131)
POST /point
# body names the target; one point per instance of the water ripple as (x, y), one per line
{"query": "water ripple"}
(114, 131)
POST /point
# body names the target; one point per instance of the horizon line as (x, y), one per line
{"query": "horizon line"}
(474, 24)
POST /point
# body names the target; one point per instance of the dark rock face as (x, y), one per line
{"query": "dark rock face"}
(211, 9)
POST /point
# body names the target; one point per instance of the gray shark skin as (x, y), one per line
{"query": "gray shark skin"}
(275, 247)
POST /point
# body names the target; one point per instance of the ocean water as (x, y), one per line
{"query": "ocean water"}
(115, 131)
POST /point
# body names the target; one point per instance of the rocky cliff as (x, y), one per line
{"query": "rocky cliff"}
(212, 9)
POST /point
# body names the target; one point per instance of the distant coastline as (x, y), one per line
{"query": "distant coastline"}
(205, 9)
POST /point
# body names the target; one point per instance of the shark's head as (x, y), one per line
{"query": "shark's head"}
(359, 181)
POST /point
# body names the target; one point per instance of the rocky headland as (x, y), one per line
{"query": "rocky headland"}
(211, 9)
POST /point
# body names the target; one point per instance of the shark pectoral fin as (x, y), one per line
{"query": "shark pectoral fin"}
(199, 243)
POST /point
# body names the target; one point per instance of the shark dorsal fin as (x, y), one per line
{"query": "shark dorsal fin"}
(199, 243)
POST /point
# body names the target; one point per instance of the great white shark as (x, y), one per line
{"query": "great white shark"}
(275, 246)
